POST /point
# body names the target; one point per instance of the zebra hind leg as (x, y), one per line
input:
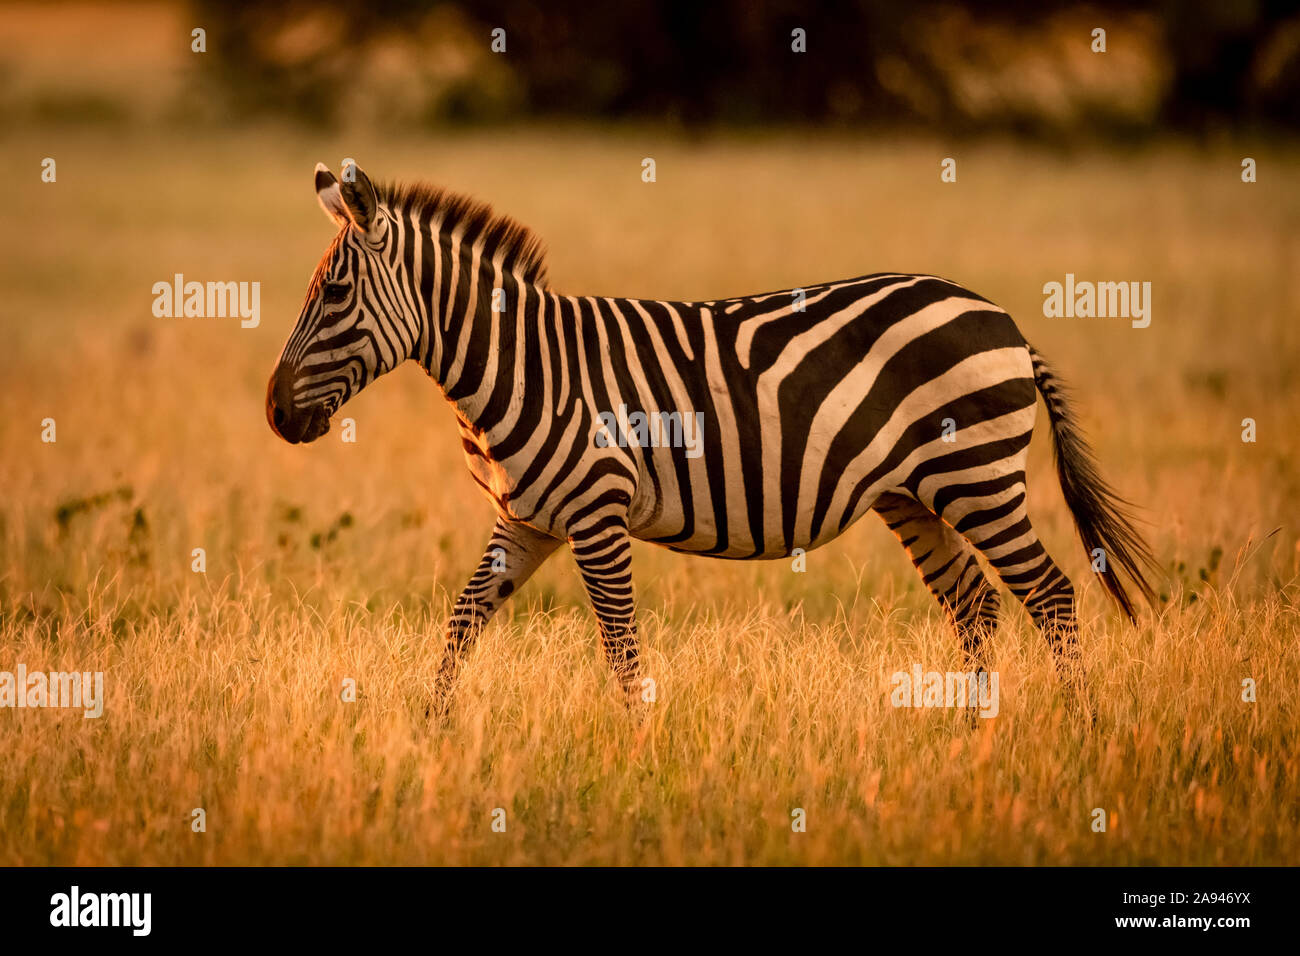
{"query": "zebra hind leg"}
(514, 552)
(1002, 532)
(950, 570)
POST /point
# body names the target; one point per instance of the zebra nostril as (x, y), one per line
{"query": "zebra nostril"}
(279, 417)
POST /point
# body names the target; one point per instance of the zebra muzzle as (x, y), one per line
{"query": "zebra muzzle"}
(292, 423)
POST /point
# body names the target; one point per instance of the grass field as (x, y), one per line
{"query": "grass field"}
(337, 561)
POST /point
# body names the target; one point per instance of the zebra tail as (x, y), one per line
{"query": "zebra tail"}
(1099, 513)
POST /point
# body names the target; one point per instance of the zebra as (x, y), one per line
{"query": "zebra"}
(902, 394)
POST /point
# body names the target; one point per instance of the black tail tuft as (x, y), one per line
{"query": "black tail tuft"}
(1099, 513)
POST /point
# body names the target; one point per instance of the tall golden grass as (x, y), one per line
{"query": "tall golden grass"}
(338, 561)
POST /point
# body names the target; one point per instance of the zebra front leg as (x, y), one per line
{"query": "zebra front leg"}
(514, 552)
(604, 556)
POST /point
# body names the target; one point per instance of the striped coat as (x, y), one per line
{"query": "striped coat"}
(737, 428)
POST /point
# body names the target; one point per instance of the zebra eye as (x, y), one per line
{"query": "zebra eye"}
(335, 292)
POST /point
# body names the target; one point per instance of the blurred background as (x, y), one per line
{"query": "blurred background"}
(775, 169)
(1193, 66)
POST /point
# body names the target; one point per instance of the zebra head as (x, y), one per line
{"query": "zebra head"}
(357, 322)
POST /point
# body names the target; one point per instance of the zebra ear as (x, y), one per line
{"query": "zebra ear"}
(362, 201)
(330, 197)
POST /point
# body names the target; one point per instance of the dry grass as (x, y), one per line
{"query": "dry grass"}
(223, 688)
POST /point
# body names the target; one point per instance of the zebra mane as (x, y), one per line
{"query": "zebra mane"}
(522, 249)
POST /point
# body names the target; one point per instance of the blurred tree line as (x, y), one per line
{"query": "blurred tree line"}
(1193, 65)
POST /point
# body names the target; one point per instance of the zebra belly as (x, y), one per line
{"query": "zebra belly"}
(725, 530)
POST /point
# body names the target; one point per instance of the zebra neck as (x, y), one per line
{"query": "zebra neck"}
(488, 337)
